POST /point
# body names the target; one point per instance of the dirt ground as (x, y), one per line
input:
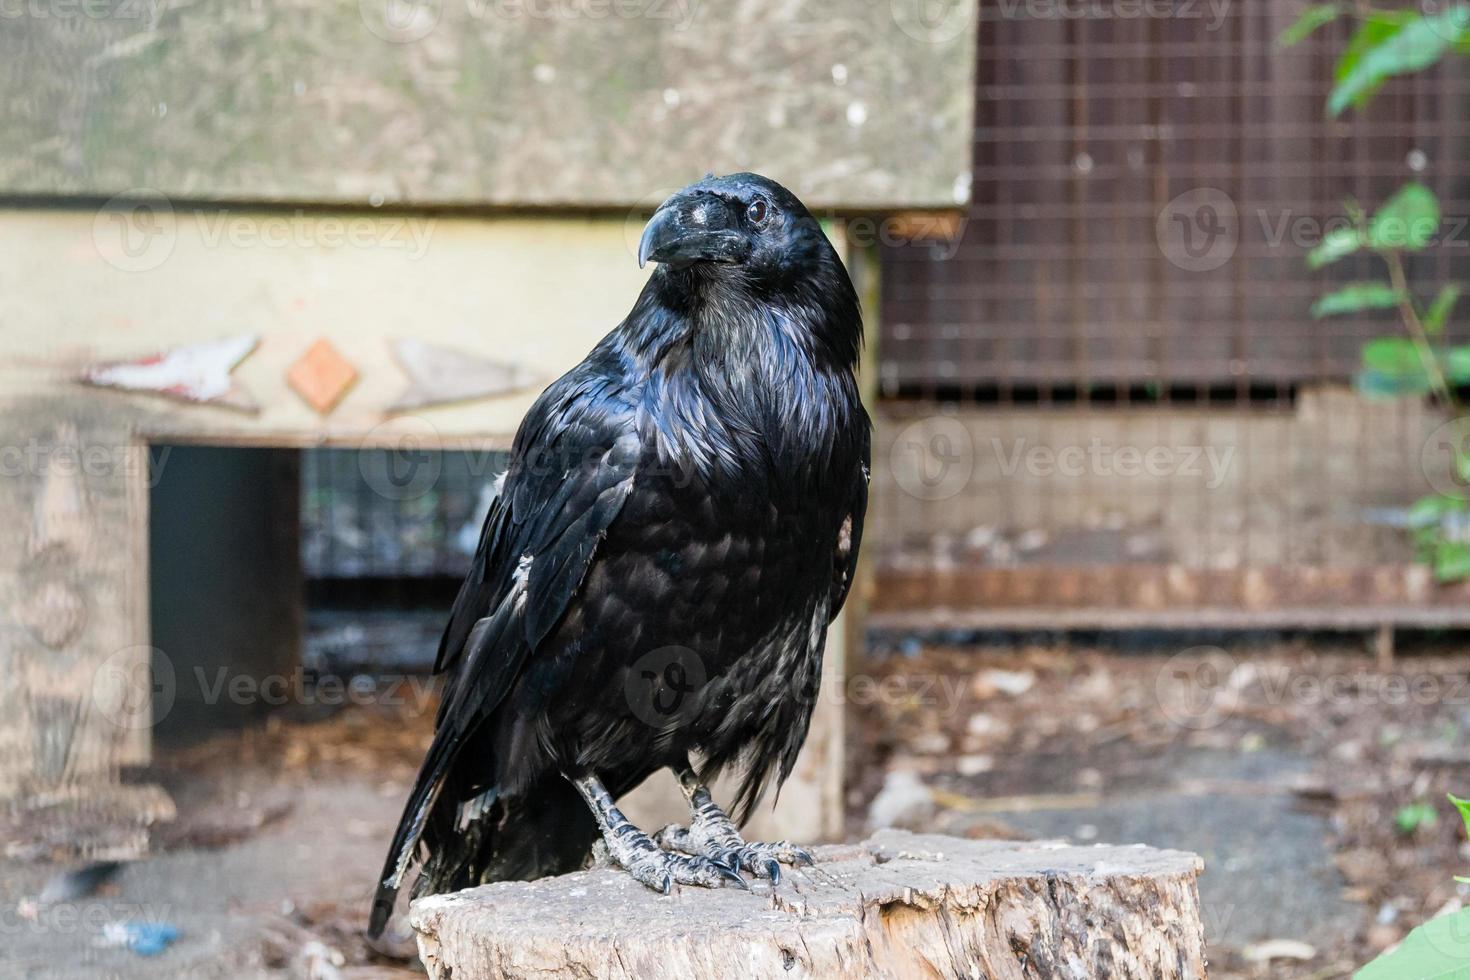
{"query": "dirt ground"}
(1313, 784)
(268, 870)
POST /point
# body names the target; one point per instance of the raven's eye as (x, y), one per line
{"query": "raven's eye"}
(756, 212)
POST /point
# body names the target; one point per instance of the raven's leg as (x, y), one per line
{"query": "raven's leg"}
(635, 852)
(713, 835)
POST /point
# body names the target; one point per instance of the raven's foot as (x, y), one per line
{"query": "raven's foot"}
(636, 853)
(712, 835)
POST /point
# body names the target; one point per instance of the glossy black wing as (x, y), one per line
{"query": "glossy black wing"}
(571, 470)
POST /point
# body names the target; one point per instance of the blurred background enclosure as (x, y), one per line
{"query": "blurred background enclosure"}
(1131, 277)
(281, 278)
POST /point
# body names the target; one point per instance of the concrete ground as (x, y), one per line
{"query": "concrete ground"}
(1268, 866)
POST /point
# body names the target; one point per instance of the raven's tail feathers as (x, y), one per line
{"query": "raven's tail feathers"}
(411, 825)
(543, 829)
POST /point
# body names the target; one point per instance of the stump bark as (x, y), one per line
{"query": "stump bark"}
(899, 905)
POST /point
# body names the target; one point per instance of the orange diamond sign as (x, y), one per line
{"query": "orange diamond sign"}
(321, 376)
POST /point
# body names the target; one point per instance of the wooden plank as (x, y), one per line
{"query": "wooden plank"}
(512, 103)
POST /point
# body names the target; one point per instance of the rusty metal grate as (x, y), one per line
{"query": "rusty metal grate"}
(1096, 135)
(1106, 402)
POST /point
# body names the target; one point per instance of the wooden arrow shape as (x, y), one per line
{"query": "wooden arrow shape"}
(437, 375)
(197, 373)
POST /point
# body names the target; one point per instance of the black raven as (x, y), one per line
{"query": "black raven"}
(678, 525)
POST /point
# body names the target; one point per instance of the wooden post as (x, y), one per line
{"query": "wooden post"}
(898, 905)
(1383, 646)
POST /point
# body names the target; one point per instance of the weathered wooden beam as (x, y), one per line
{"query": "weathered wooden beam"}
(545, 103)
(898, 905)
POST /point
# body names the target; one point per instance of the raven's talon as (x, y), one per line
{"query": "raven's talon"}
(728, 873)
(723, 862)
(650, 870)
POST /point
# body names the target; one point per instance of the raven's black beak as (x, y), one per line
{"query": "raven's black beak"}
(692, 228)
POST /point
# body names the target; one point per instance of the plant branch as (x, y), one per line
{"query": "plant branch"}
(1418, 334)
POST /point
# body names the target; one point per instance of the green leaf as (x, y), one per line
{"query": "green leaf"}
(1392, 356)
(1439, 313)
(1311, 19)
(1412, 46)
(1455, 362)
(1437, 950)
(1410, 818)
(1428, 511)
(1452, 561)
(1334, 245)
(1463, 806)
(1355, 298)
(1408, 220)
(1372, 31)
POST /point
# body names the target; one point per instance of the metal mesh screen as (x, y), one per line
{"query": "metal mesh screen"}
(373, 513)
(1145, 190)
(1107, 396)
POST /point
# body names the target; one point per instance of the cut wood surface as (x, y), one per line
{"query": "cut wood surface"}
(899, 905)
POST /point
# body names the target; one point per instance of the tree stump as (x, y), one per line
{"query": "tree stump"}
(898, 905)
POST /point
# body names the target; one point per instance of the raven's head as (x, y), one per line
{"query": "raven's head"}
(745, 235)
(746, 222)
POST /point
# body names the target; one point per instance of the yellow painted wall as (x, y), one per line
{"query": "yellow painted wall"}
(81, 286)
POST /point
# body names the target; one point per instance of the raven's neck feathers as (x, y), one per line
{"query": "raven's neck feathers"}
(743, 381)
(818, 306)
